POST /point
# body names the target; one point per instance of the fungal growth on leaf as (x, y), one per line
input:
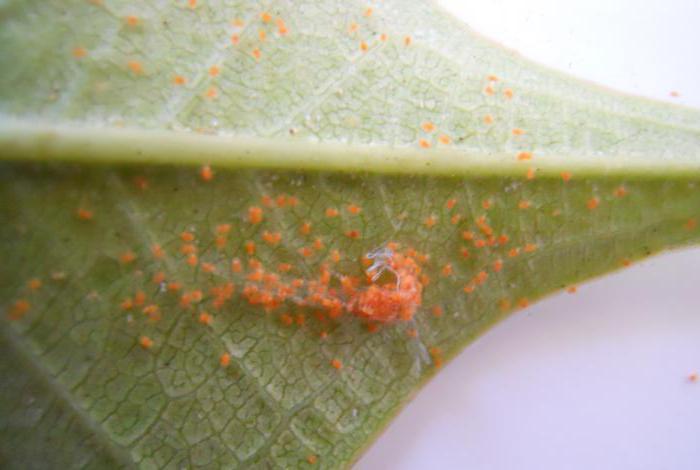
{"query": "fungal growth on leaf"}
(238, 235)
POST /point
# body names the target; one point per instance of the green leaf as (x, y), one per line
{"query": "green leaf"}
(111, 114)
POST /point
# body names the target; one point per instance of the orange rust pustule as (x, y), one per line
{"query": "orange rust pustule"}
(393, 301)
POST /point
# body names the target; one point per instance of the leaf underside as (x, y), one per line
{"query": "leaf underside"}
(81, 387)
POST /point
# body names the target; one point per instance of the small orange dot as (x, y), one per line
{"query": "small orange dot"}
(446, 270)
(312, 459)
(281, 27)
(132, 20)
(592, 203)
(18, 309)
(174, 286)
(79, 52)
(135, 66)
(265, 17)
(331, 212)
(250, 248)
(208, 268)
(225, 359)
(256, 53)
(337, 364)
(407, 40)
(34, 284)
(212, 92)
(206, 173)
(84, 214)
(127, 257)
(353, 209)
(255, 215)
(445, 139)
(497, 265)
(353, 234)
(158, 277)
(214, 70)
(428, 127)
(518, 131)
(235, 39)
(620, 191)
(524, 156)
(179, 80)
(565, 176)
(530, 247)
(223, 229)
(436, 355)
(508, 93)
(488, 119)
(205, 318)
(571, 289)
(286, 319)
(305, 228)
(364, 47)
(146, 342)
(424, 143)
(272, 238)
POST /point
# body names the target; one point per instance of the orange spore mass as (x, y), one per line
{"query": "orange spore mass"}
(255, 215)
(146, 342)
(393, 301)
(445, 139)
(79, 52)
(127, 257)
(84, 214)
(225, 359)
(281, 27)
(18, 309)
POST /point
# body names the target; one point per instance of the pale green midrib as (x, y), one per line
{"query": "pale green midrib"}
(26, 141)
(33, 363)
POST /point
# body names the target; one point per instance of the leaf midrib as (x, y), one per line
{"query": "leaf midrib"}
(34, 142)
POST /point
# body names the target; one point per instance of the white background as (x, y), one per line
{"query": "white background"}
(597, 380)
